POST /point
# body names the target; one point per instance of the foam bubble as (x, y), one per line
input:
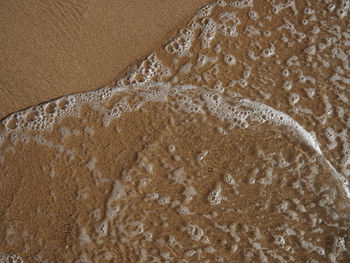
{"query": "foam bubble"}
(215, 196)
(230, 60)
(10, 259)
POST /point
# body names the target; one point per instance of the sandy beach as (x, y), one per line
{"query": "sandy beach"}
(147, 131)
(52, 48)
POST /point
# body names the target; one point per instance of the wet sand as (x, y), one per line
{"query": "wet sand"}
(50, 49)
(229, 143)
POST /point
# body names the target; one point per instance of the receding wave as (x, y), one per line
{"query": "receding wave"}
(230, 144)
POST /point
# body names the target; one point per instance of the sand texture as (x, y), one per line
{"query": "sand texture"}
(53, 48)
(227, 143)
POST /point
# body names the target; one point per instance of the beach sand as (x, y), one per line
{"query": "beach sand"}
(227, 140)
(52, 48)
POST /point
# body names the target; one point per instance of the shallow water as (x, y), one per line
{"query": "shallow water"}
(231, 144)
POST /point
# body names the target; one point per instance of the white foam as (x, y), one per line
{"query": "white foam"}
(230, 60)
(242, 3)
(228, 178)
(228, 24)
(10, 258)
(181, 44)
(195, 232)
(208, 32)
(215, 196)
(253, 15)
(238, 112)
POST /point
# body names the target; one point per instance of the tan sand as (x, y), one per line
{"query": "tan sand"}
(53, 48)
(230, 143)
